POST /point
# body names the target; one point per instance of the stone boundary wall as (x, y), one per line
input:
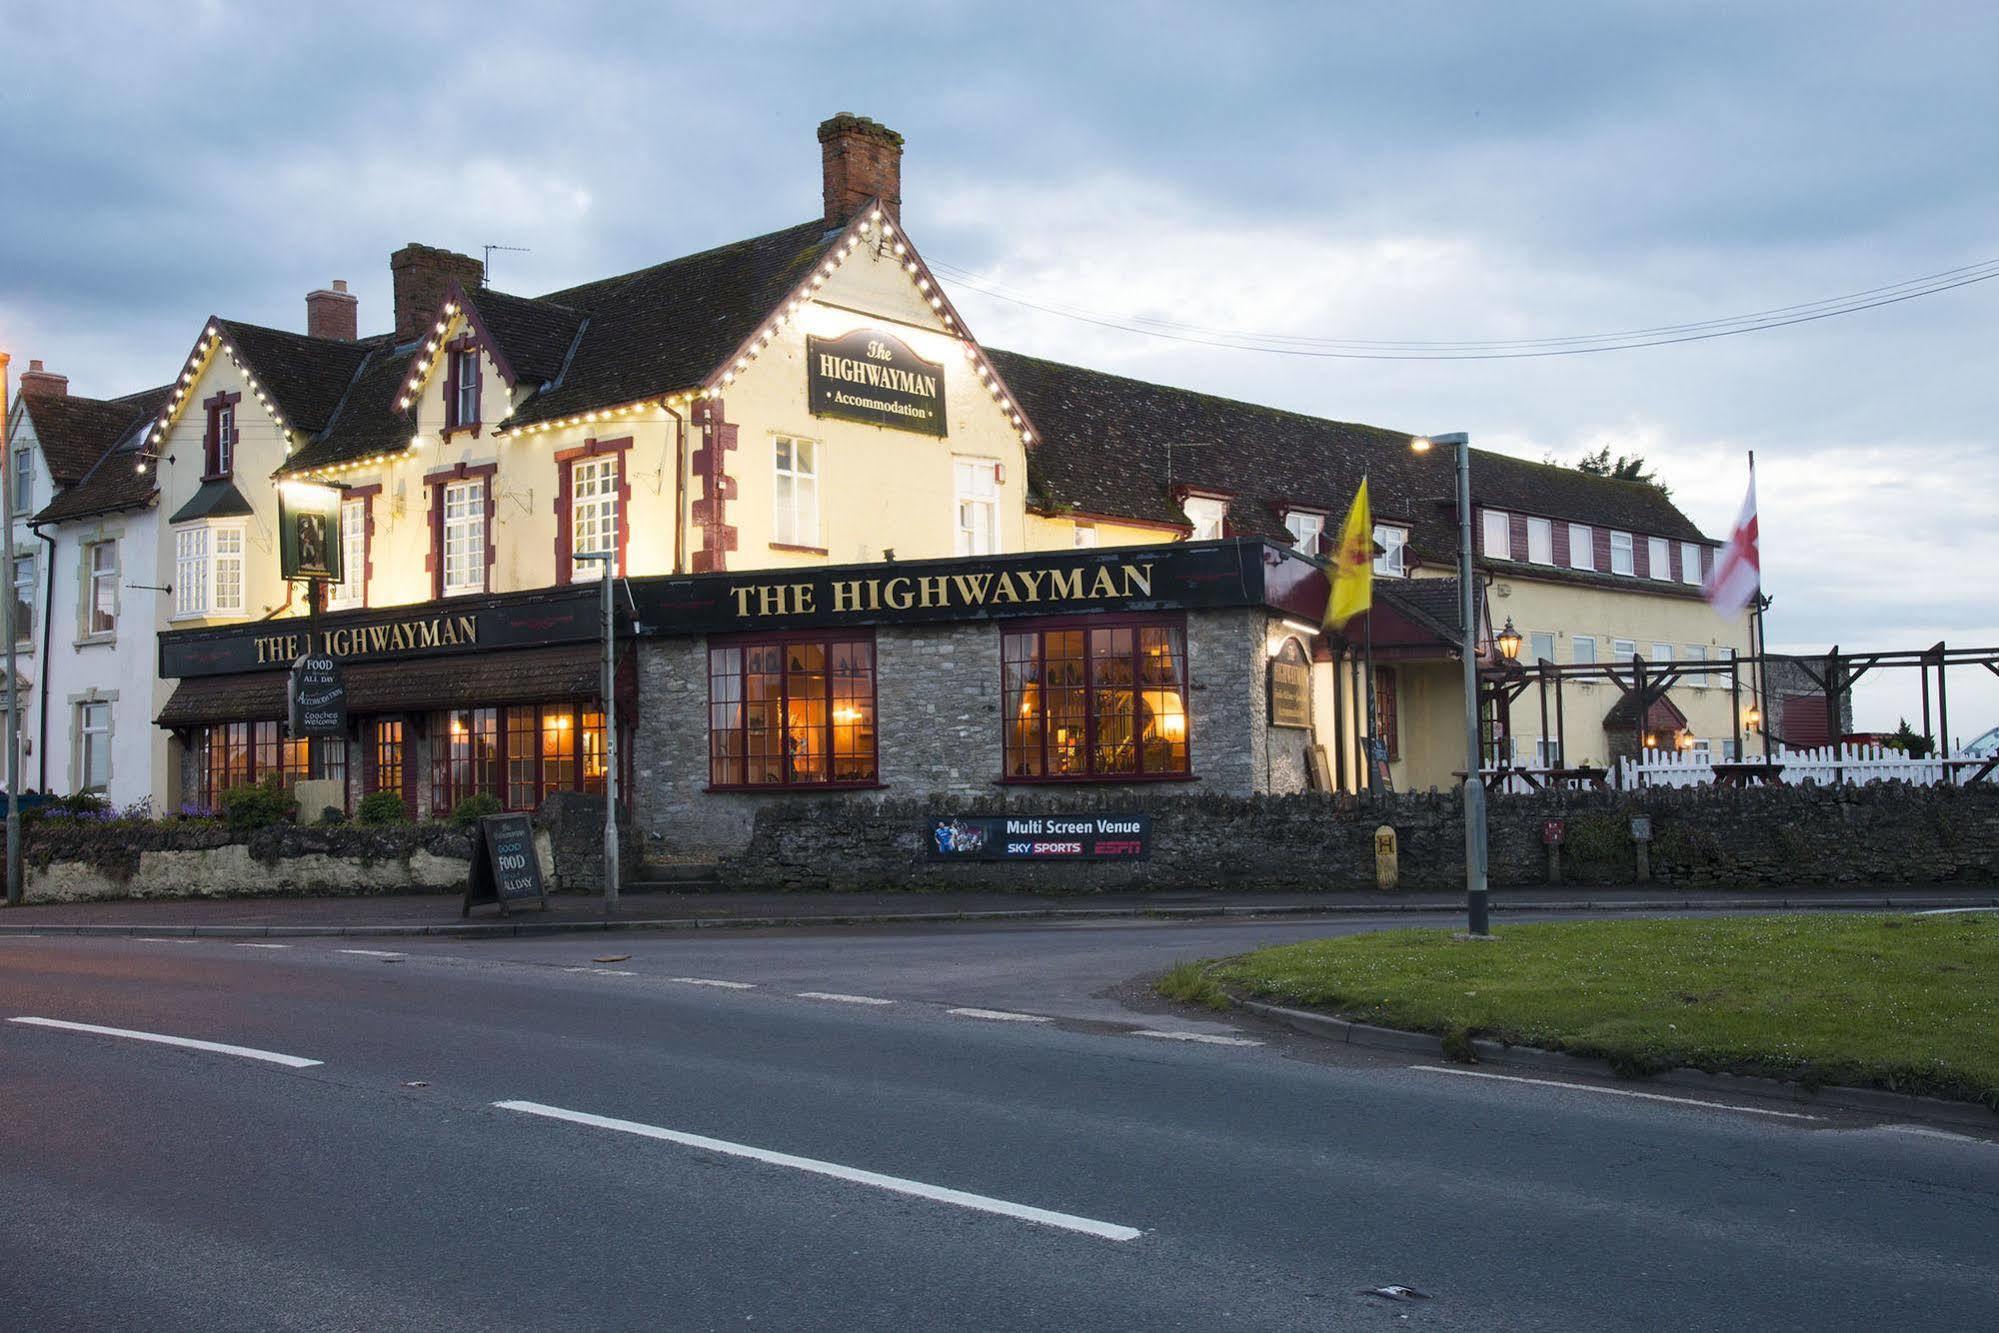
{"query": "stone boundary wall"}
(1703, 838)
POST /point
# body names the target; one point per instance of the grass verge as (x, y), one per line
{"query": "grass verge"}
(1190, 983)
(1908, 1003)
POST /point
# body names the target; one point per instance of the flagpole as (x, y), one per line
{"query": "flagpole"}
(1373, 733)
(1758, 638)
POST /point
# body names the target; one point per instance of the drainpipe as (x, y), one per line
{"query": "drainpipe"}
(48, 614)
(679, 488)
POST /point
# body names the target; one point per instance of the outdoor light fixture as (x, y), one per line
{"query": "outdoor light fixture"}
(1421, 444)
(1752, 718)
(1509, 642)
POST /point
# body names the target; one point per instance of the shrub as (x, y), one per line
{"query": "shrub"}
(331, 816)
(260, 806)
(382, 807)
(474, 808)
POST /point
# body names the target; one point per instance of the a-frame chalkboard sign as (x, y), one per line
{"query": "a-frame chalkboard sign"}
(504, 868)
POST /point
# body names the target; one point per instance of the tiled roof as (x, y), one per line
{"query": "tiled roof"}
(112, 481)
(533, 336)
(1432, 603)
(215, 498)
(305, 377)
(665, 328)
(367, 422)
(1105, 451)
(75, 432)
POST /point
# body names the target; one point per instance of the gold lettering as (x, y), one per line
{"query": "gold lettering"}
(770, 599)
(742, 596)
(896, 595)
(1031, 580)
(336, 642)
(1101, 585)
(1003, 589)
(426, 634)
(1138, 577)
(447, 632)
(846, 595)
(874, 594)
(972, 588)
(375, 638)
(934, 590)
(801, 599)
(468, 629)
(1065, 584)
(399, 636)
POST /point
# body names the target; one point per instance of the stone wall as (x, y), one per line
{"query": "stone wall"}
(1788, 837)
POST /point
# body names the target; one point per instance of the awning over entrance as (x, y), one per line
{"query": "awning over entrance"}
(481, 680)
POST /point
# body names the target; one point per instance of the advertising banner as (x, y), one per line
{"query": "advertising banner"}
(1094, 837)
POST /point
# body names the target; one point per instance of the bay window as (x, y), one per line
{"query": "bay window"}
(208, 570)
(1096, 699)
(797, 710)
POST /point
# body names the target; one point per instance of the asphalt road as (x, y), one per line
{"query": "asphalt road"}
(512, 1134)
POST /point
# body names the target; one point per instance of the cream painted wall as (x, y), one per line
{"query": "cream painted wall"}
(1048, 532)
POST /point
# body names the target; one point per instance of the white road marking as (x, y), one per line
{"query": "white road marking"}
(1617, 1092)
(218, 1048)
(1926, 1132)
(167, 939)
(600, 971)
(894, 1184)
(1955, 911)
(708, 981)
(1000, 1015)
(374, 953)
(1210, 1038)
(19, 935)
(839, 998)
(263, 946)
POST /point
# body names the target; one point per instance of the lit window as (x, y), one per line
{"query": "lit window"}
(978, 506)
(593, 513)
(464, 537)
(93, 735)
(1582, 549)
(797, 711)
(1209, 516)
(1095, 702)
(1540, 541)
(100, 615)
(1690, 563)
(383, 757)
(1582, 648)
(1393, 559)
(352, 590)
(1498, 544)
(1659, 557)
(1305, 528)
(1621, 560)
(795, 497)
(24, 596)
(1085, 534)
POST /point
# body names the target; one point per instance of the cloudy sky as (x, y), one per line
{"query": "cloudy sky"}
(1359, 171)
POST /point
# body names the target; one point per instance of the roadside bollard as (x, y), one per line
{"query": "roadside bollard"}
(1641, 838)
(1387, 862)
(1553, 832)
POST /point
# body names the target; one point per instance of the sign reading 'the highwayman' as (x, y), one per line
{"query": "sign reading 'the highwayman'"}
(871, 376)
(1040, 838)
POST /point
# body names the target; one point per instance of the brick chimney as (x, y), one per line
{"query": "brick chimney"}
(423, 275)
(860, 158)
(39, 383)
(332, 314)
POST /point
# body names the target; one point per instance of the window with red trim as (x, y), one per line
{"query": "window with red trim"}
(462, 374)
(219, 443)
(592, 499)
(518, 754)
(242, 754)
(793, 711)
(1385, 721)
(1087, 699)
(384, 756)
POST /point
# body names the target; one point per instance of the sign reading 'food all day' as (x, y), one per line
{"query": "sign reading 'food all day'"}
(872, 376)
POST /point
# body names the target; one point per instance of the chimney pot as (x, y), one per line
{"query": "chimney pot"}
(39, 383)
(332, 313)
(423, 277)
(860, 159)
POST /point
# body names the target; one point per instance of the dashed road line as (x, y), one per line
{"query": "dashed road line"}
(166, 939)
(373, 953)
(1000, 1015)
(601, 971)
(257, 945)
(838, 998)
(159, 1038)
(894, 1184)
(710, 981)
(1617, 1092)
(1208, 1038)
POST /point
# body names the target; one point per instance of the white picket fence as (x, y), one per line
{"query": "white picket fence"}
(1859, 764)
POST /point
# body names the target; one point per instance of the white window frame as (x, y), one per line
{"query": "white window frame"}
(86, 746)
(1393, 539)
(24, 479)
(1547, 752)
(1582, 547)
(593, 517)
(225, 439)
(976, 505)
(24, 607)
(1540, 541)
(95, 593)
(1576, 642)
(1659, 555)
(463, 534)
(1306, 527)
(1621, 544)
(1697, 652)
(191, 566)
(352, 590)
(204, 571)
(467, 386)
(1084, 535)
(1701, 752)
(1690, 563)
(1209, 514)
(794, 492)
(1623, 650)
(1662, 653)
(1534, 656)
(1496, 535)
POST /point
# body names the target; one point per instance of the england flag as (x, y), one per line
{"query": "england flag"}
(1738, 570)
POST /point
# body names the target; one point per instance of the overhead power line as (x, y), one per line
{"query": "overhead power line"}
(1363, 349)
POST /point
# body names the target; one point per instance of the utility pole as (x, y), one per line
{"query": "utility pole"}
(8, 628)
(608, 560)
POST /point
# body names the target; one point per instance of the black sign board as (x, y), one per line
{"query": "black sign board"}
(1291, 687)
(308, 531)
(872, 376)
(1084, 837)
(318, 695)
(505, 868)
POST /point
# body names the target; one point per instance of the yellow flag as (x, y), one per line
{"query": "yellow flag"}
(1352, 574)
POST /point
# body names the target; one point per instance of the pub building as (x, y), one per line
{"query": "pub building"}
(863, 555)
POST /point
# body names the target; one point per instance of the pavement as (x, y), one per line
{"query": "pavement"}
(915, 1125)
(438, 913)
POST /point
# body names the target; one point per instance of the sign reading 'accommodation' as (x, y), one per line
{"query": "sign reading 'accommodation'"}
(871, 376)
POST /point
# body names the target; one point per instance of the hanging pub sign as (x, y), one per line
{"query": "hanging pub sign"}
(872, 376)
(1039, 837)
(1291, 687)
(318, 695)
(308, 531)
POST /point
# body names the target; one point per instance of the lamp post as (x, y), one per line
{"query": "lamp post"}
(1478, 923)
(13, 678)
(609, 559)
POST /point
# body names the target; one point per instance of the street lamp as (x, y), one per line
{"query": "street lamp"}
(13, 678)
(608, 559)
(1479, 925)
(1509, 642)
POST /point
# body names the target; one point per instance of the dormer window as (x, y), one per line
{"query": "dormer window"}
(1306, 528)
(219, 444)
(1209, 514)
(1392, 550)
(461, 386)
